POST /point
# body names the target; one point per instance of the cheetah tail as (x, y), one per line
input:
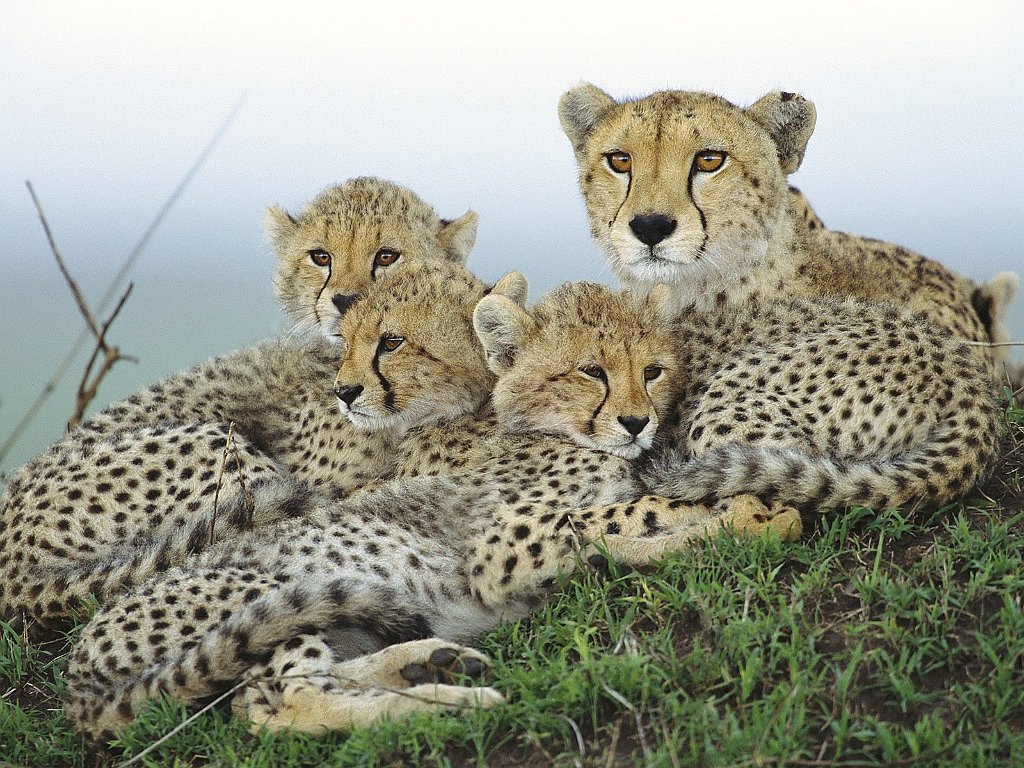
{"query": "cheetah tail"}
(942, 467)
(102, 706)
(131, 564)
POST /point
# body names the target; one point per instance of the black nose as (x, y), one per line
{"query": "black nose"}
(652, 228)
(344, 300)
(634, 424)
(348, 393)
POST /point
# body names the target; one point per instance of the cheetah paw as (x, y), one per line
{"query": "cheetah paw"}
(748, 516)
(448, 665)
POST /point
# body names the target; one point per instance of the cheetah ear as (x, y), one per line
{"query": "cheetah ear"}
(502, 326)
(458, 236)
(991, 301)
(579, 109)
(279, 225)
(512, 286)
(662, 300)
(789, 119)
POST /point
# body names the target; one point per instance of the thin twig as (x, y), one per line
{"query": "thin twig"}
(579, 738)
(51, 385)
(111, 355)
(220, 479)
(190, 719)
(614, 744)
(992, 344)
(636, 717)
(83, 307)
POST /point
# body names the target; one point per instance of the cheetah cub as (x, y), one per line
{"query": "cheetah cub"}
(346, 238)
(141, 484)
(335, 616)
(687, 189)
(825, 404)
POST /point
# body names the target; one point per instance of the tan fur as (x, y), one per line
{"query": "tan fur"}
(437, 366)
(736, 234)
(591, 385)
(95, 515)
(292, 608)
(356, 228)
(826, 404)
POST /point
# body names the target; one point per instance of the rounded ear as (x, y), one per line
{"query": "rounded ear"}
(512, 286)
(458, 236)
(279, 225)
(502, 326)
(579, 109)
(991, 301)
(789, 119)
(662, 301)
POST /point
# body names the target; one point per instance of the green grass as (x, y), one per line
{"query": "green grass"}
(885, 639)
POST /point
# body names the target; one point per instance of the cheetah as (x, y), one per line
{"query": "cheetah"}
(687, 189)
(98, 513)
(347, 237)
(352, 609)
(822, 405)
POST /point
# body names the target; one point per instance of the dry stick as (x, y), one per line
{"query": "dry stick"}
(220, 478)
(250, 678)
(636, 718)
(111, 355)
(55, 379)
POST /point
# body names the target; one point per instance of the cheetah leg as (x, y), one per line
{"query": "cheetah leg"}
(744, 515)
(526, 550)
(302, 688)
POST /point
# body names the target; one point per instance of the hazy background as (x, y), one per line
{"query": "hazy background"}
(105, 105)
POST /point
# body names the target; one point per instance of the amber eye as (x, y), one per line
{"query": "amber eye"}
(708, 160)
(620, 162)
(320, 257)
(593, 371)
(389, 343)
(385, 257)
(651, 372)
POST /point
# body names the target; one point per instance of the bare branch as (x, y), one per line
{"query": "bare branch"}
(58, 375)
(83, 308)
(111, 355)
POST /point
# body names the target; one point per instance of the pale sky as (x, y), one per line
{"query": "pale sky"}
(105, 105)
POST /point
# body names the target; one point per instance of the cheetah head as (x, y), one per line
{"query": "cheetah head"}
(348, 237)
(410, 356)
(682, 186)
(586, 362)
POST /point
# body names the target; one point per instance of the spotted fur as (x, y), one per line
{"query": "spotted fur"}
(725, 229)
(162, 474)
(292, 609)
(823, 405)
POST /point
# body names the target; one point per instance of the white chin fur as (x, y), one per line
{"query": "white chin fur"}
(367, 423)
(651, 272)
(622, 450)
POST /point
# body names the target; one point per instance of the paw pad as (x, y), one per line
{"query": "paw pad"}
(446, 666)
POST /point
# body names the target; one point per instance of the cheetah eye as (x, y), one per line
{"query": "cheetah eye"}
(593, 371)
(652, 372)
(620, 162)
(708, 160)
(389, 343)
(320, 257)
(385, 257)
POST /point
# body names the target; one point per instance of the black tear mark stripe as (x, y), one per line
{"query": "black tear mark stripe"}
(593, 418)
(389, 395)
(629, 186)
(703, 220)
(316, 302)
